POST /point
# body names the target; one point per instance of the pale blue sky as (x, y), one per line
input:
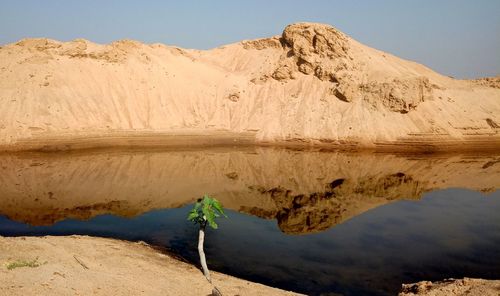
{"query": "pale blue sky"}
(454, 37)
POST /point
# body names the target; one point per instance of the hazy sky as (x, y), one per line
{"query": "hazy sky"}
(454, 37)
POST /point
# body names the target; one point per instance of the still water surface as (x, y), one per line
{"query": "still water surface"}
(313, 222)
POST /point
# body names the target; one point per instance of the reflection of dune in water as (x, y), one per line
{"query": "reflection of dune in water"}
(341, 199)
(305, 191)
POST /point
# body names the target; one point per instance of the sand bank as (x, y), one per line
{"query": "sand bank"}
(82, 265)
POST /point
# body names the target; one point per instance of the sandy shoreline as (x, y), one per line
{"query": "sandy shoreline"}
(182, 140)
(82, 265)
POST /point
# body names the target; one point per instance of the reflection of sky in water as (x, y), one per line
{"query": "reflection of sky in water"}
(449, 233)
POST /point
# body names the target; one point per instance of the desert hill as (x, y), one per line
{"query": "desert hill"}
(312, 85)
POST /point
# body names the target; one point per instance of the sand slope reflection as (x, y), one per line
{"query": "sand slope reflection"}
(306, 191)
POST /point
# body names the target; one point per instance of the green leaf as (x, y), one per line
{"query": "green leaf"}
(210, 216)
(206, 199)
(213, 224)
(205, 211)
(218, 207)
(193, 215)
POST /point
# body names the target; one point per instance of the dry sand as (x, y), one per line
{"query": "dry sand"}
(81, 265)
(312, 85)
(453, 287)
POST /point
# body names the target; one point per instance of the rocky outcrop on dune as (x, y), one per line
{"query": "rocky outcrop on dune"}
(313, 84)
(489, 81)
(326, 53)
(304, 191)
(312, 50)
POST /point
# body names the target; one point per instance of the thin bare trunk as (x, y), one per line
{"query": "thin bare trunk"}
(201, 239)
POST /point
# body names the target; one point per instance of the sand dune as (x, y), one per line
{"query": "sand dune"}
(312, 85)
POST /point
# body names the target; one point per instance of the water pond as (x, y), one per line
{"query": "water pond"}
(316, 222)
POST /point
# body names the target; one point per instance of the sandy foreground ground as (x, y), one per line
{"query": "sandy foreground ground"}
(465, 286)
(82, 265)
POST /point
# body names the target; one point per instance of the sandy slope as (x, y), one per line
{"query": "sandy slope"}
(81, 265)
(313, 84)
